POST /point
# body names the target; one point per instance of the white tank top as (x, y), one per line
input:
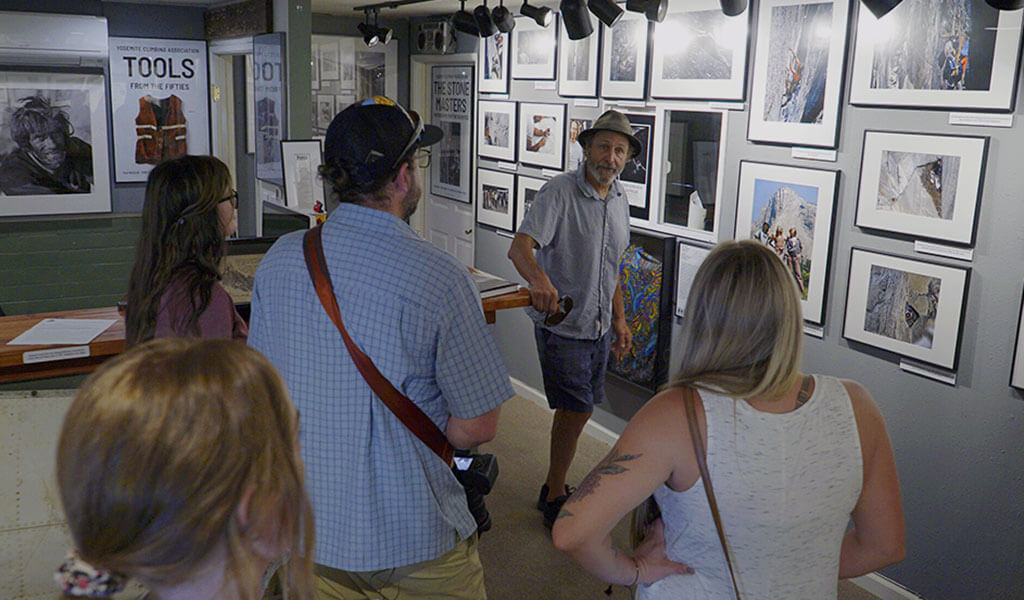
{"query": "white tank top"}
(785, 485)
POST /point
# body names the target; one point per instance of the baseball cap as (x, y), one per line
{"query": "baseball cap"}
(368, 138)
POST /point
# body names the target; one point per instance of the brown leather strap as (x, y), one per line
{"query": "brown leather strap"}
(411, 415)
(690, 401)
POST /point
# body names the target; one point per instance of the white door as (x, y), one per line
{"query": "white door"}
(448, 224)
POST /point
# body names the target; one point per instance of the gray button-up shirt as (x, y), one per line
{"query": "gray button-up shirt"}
(581, 238)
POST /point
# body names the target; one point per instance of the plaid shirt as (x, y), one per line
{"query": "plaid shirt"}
(381, 498)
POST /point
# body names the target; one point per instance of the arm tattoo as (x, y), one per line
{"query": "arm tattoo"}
(613, 464)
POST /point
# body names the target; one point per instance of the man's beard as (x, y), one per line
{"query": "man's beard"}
(603, 172)
(411, 201)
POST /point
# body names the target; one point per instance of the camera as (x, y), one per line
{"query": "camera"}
(477, 474)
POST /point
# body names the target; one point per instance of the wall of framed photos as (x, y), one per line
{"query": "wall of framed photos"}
(905, 199)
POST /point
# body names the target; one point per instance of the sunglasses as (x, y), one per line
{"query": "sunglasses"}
(565, 304)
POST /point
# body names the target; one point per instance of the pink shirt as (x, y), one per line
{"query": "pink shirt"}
(219, 320)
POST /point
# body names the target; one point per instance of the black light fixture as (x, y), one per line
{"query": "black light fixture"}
(654, 10)
(373, 34)
(731, 8)
(503, 18)
(484, 24)
(606, 11)
(576, 19)
(1006, 4)
(880, 8)
(463, 21)
(541, 14)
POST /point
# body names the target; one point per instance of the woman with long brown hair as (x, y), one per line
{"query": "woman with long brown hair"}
(189, 210)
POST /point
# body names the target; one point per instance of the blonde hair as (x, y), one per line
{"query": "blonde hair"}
(743, 330)
(162, 445)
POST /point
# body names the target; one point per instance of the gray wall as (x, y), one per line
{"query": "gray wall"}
(957, 448)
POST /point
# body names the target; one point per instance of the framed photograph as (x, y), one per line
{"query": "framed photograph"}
(1017, 366)
(303, 188)
(496, 121)
(574, 151)
(798, 72)
(647, 273)
(526, 190)
(911, 307)
(637, 178)
(956, 54)
(495, 191)
(624, 57)
(542, 134)
(314, 66)
(577, 65)
(62, 166)
(270, 77)
(325, 110)
(451, 109)
(330, 60)
(151, 77)
(921, 185)
(493, 64)
(699, 53)
(688, 260)
(347, 66)
(790, 210)
(533, 49)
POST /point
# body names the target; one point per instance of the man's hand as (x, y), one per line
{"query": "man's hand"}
(623, 337)
(544, 296)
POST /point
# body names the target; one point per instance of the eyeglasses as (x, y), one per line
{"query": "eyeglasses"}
(422, 158)
(232, 198)
(565, 304)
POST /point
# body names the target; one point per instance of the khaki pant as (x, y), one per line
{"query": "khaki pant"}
(456, 575)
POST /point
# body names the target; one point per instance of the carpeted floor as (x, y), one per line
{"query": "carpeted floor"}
(519, 561)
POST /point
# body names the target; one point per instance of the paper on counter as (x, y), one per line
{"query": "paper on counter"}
(52, 332)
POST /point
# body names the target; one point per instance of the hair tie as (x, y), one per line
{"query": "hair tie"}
(77, 578)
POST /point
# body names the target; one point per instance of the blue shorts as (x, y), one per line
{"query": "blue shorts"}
(573, 370)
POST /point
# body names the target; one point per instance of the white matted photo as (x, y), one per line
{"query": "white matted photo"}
(700, 53)
(798, 72)
(303, 188)
(573, 148)
(493, 63)
(688, 260)
(495, 194)
(330, 60)
(496, 121)
(325, 110)
(789, 210)
(53, 144)
(526, 191)
(624, 57)
(577, 65)
(640, 173)
(911, 307)
(534, 49)
(921, 185)
(957, 54)
(542, 134)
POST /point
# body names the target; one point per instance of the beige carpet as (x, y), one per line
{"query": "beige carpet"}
(519, 561)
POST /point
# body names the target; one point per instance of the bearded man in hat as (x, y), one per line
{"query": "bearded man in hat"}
(392, 521)
(568, 248)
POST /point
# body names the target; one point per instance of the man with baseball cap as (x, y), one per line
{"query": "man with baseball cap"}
(391, 519)
(579, 226)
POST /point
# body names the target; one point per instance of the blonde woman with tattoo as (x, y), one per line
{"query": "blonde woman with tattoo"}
(793, 458)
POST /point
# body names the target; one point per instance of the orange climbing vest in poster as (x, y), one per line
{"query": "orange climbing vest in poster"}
(161, 130)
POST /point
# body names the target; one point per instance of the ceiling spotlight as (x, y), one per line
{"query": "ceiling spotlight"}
(880, 8)
(373, 34)
(1006, 4)
(654, 10)
(463, 21)
(503, 18)
(483, 20)
(576, 19)
(606, 11)
(541, 14)
(732, 8)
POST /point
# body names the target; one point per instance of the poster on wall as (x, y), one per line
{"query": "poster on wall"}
(452, 110)
(646, 273)
(53, 144)
(959, 54)
(159, 101)
(269, 93)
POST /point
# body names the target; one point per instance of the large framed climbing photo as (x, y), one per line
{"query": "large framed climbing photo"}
(159, 103)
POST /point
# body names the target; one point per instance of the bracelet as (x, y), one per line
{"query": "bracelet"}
(636, 578)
